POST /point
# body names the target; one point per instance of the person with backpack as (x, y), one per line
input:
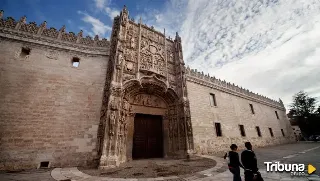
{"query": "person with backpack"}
(234, 162)
(249, 161)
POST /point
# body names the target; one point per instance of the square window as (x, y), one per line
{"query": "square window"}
(242, 132)
(44, 164)
(24, 52)
(218, 129)
(75, 62)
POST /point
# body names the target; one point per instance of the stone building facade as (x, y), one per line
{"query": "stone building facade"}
(69, 100)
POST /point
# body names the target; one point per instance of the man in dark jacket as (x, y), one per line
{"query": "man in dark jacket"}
(249, 161)
(234, 162)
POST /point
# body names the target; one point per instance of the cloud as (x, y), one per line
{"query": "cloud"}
(105, 6)
(112, 12)
(69, 21)
(280, 71)
(270, 47)
(169, 16)
(100, 4)
(98, 27)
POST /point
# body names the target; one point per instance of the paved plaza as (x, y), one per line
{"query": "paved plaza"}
(303, 152)
(151, 168)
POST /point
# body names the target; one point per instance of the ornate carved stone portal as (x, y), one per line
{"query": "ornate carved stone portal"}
(146, 76)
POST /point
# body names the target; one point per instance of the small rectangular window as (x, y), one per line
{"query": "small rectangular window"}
(213, 101)
(271, 132)
(251, 107)
(276, 114)
(282, 132)
(218, 129)
(24, 52)
(258, 131)
(75, 61)
(242, 132)
(44, 164)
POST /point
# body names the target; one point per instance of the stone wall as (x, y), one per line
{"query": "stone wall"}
(232, 110)
(49, 110)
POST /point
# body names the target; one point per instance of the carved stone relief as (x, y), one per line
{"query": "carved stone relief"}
(127, 77)
(112, 122)
(131, 56)
(120, 59)
(152, 57)
(146, 61)
(131, 52)
(126, 105)
(129, 66)
(124, 19)
(113, 104)
(148, 100)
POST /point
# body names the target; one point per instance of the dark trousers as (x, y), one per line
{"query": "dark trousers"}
(248, 175)
(236, 173)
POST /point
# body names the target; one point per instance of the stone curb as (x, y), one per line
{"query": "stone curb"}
(56, 174)
(73, 174)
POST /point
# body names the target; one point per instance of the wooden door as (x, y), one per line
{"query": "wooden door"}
(147, 137)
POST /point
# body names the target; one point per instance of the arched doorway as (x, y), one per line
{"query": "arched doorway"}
(141, 105)
(151, 105)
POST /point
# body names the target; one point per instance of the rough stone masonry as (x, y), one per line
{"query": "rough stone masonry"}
(69, 100)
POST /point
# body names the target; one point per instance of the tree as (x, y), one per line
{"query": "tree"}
(303, 105)
(318, 111)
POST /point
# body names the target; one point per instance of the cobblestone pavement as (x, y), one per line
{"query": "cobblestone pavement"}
(75, 174)
(28, 175)
(306, 153)
(150, 168)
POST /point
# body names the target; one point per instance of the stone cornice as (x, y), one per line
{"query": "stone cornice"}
(32, 33)
(46, 41)
(257, 99)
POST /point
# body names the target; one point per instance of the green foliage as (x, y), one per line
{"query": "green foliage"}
(303, 105)
(303, 110)
(318, 110)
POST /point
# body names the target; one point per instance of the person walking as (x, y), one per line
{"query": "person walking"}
(234, 162)
(249, 161)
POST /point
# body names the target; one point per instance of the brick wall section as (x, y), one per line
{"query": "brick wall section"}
(49, 110)
(230, 112)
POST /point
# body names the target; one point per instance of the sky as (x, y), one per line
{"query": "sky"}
(271, 47)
